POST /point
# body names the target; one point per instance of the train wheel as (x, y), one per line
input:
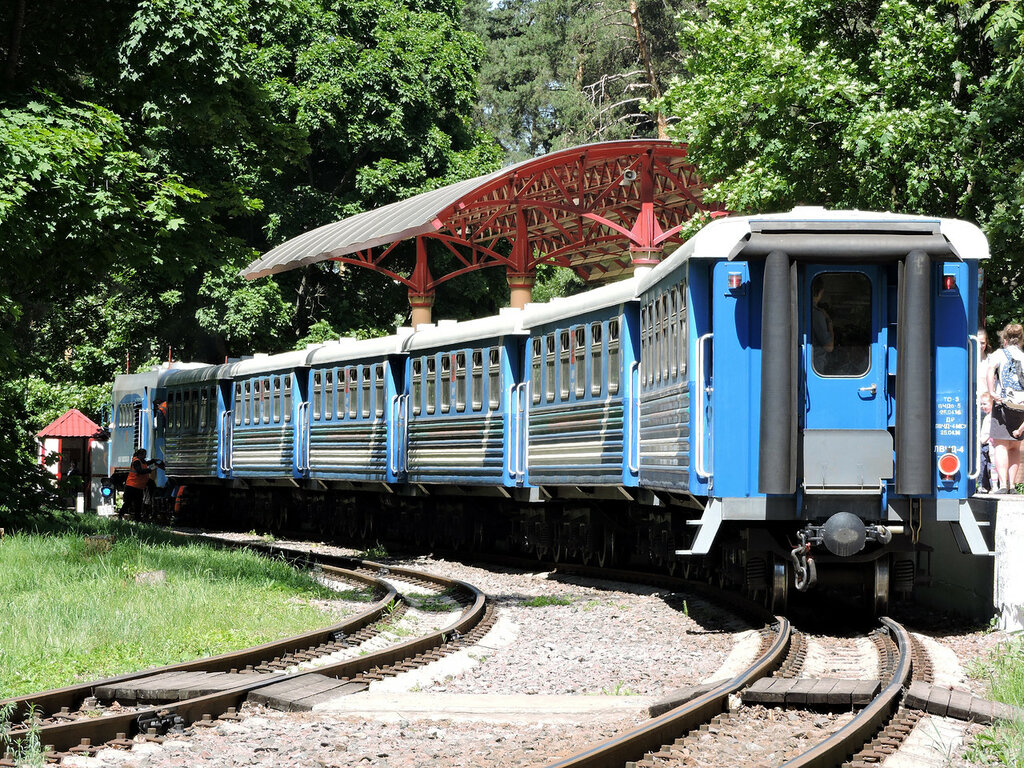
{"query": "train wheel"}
(778, 591)
(881, 586)
(606, 552)
(558, 551)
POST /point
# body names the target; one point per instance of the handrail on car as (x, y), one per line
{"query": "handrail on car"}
(523, 404)
(699, 465)
(517, 398)
(396, 434)
(225, 441)
(633, 436)
(975, 412)
(403, 433)
(304, 429)
(513, 434)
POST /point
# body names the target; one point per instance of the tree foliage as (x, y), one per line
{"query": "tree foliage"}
(150, 149)
(897, 105)
(559, 73)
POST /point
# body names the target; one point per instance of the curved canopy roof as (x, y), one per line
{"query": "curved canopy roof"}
(583, 208)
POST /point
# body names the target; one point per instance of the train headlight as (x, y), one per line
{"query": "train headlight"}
(949, 465)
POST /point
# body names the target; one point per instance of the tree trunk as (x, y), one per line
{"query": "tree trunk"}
(17, 26)
(645, 58)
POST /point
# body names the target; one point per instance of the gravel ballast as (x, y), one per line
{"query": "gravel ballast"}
(556, 636)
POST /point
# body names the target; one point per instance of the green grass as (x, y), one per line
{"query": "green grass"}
(73, 612)
(1003, 744)
(542, 601)
(432, 603)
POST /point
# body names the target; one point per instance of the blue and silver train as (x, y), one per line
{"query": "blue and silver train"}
(782, 402)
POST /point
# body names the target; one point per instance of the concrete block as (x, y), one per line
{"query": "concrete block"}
(959, 705)
(798, 693)
(917, 695)
(938, 700)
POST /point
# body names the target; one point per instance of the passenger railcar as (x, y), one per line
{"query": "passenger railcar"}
(462, 417)
(345, 431)
(781, 401)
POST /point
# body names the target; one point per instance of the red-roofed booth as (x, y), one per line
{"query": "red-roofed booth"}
(71, 437)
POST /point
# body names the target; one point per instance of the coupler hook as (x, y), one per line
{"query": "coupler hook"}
(805, 573)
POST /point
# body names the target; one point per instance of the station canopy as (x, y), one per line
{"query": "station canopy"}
(599, 209)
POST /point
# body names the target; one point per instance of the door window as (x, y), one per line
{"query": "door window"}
(841, 324)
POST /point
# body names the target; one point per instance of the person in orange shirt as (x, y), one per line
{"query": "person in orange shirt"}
(135, 485)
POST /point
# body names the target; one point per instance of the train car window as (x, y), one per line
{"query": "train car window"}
(204, 405)
(563, 372)
(431, 384)
(494, 378)
(613, 356)
(536, 362)
(651, 357)
(580, 356)
(247, 403)
(673, 332)
(596, 351)
(238, 403)
(340, 392)
(417, 386)
(478, 379)
(841, 324)
(666, 338)
(286, 399)
(366, 391)
(645, 344)
(265, 396)
(318, 388)
(682, 336)
(549, 369)
(460, 382)
(275, 399)
(329, 406)
(446, 383)
(378, 390)
(655, 342)
(352, 390)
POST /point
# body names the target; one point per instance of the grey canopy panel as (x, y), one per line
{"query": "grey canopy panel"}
(393, 222)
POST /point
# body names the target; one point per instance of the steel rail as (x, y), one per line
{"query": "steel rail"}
(838, 747)
(664, 729)
(63, 736)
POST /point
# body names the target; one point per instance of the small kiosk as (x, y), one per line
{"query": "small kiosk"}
(72, 437)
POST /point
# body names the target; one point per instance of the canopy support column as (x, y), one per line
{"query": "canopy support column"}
(421, 292)
(644, 247)
(520, 277)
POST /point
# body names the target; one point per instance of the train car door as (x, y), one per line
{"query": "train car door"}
(847, 447)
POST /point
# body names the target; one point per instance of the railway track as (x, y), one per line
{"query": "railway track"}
(870, 730)
(280, 676)
(80, 719)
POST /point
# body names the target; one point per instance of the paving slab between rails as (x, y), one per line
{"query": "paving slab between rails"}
(504, 708)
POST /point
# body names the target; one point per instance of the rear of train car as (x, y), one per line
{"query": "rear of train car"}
(809, 378)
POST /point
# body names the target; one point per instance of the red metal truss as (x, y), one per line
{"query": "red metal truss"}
(599, 209)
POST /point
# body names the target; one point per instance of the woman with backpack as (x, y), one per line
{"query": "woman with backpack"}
(1006, 385)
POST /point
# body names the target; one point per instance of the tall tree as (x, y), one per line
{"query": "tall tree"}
(565, 72)
(151, 148)
(898, 105)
